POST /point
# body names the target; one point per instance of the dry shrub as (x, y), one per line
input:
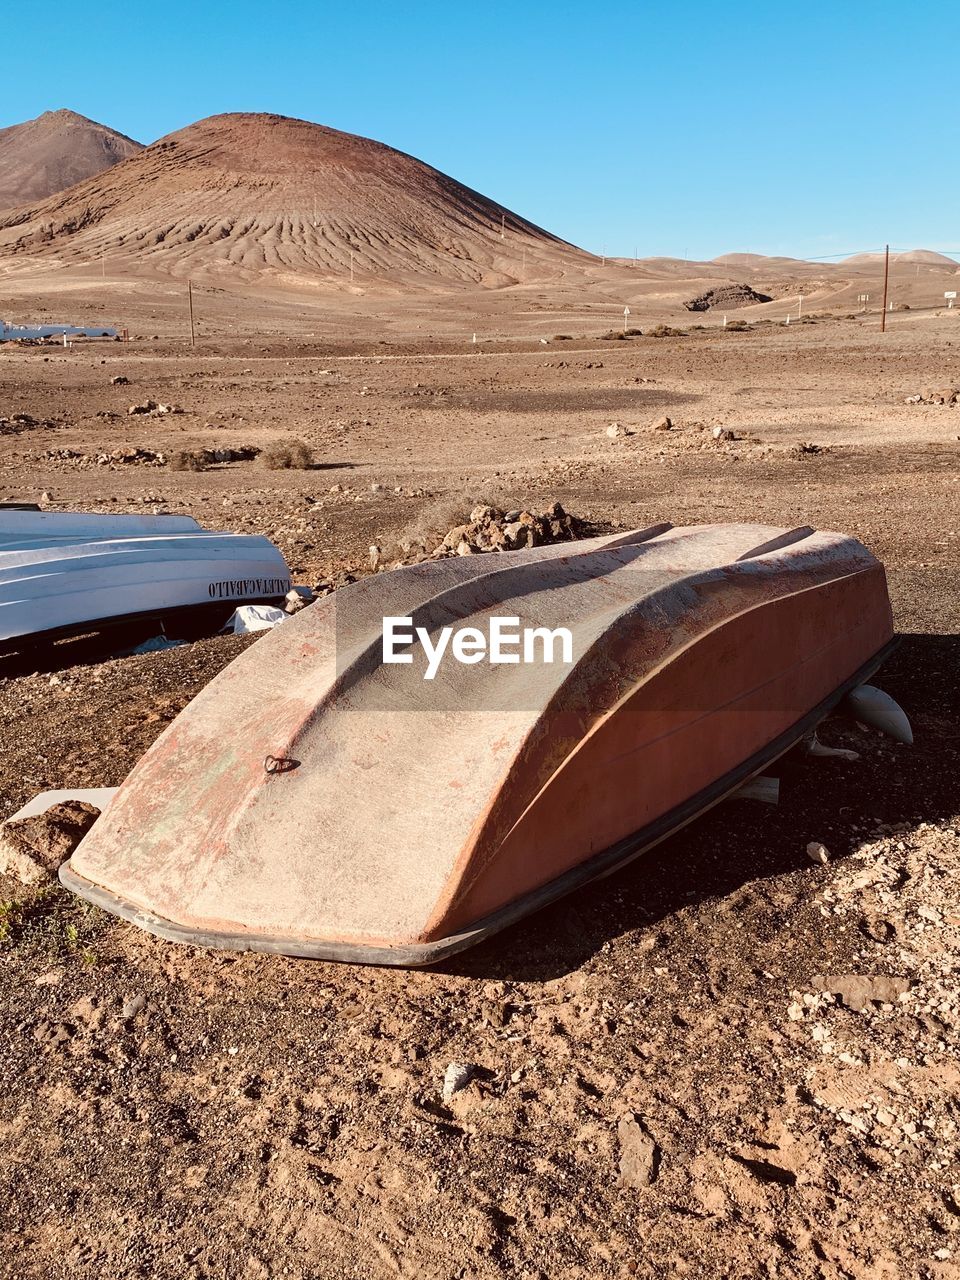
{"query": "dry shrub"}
(189, 460)
(666, 331)
(289, 455)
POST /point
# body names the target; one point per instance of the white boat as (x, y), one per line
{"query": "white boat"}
(62, 573)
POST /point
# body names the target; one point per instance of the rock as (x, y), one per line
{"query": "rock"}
(119, 381)
(946, 396)
(721, 433)
(857, 991)
(295, 600)
(147, 406)
(614, 431)
(818, 852)
(663, 424)
(132, 1007)
(456, 1077)
(514, 536)
(456, 535)
(639, 1153)
(32, 849)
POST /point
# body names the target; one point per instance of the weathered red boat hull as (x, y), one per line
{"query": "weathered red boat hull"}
(416, 817)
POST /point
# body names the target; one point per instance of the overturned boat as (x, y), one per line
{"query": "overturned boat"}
(340, 791)
(62, 573)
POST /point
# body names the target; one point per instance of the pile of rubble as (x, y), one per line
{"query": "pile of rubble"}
(489, 529)
(124, 456)
(18, 422)
(694, 432)
(946, 396)
(64, 455)
(152, 407)
(729, 296)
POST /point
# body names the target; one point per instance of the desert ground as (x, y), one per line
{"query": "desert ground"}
(692, 1068)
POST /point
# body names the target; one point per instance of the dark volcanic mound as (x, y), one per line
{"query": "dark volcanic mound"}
(248, 193)
(44, 156)
(729, 296)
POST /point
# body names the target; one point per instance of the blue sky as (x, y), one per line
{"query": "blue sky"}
(690, 130)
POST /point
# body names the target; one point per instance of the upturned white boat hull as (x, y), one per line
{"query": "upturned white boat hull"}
(61, 572)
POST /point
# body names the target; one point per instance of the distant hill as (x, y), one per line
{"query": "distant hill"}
(923, 257)
(44, 156)
(241, 194)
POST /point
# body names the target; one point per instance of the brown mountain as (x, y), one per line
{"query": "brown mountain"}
(245, 194)
(44, 156)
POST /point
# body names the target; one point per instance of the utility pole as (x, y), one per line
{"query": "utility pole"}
(193, 333)
(886, 277)
(502, 225)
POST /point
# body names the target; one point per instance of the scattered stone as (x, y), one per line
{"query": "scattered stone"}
(456, 1077)
(119, 381)
(132, 1007)
(152, 407)
(296, 599)
(663, 424)
(639, 1153)
(19, 422)
(32, 849)
(856, 991)
(943, 396)
(818, 852)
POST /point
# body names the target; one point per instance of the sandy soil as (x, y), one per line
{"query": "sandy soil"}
(665, 1078)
